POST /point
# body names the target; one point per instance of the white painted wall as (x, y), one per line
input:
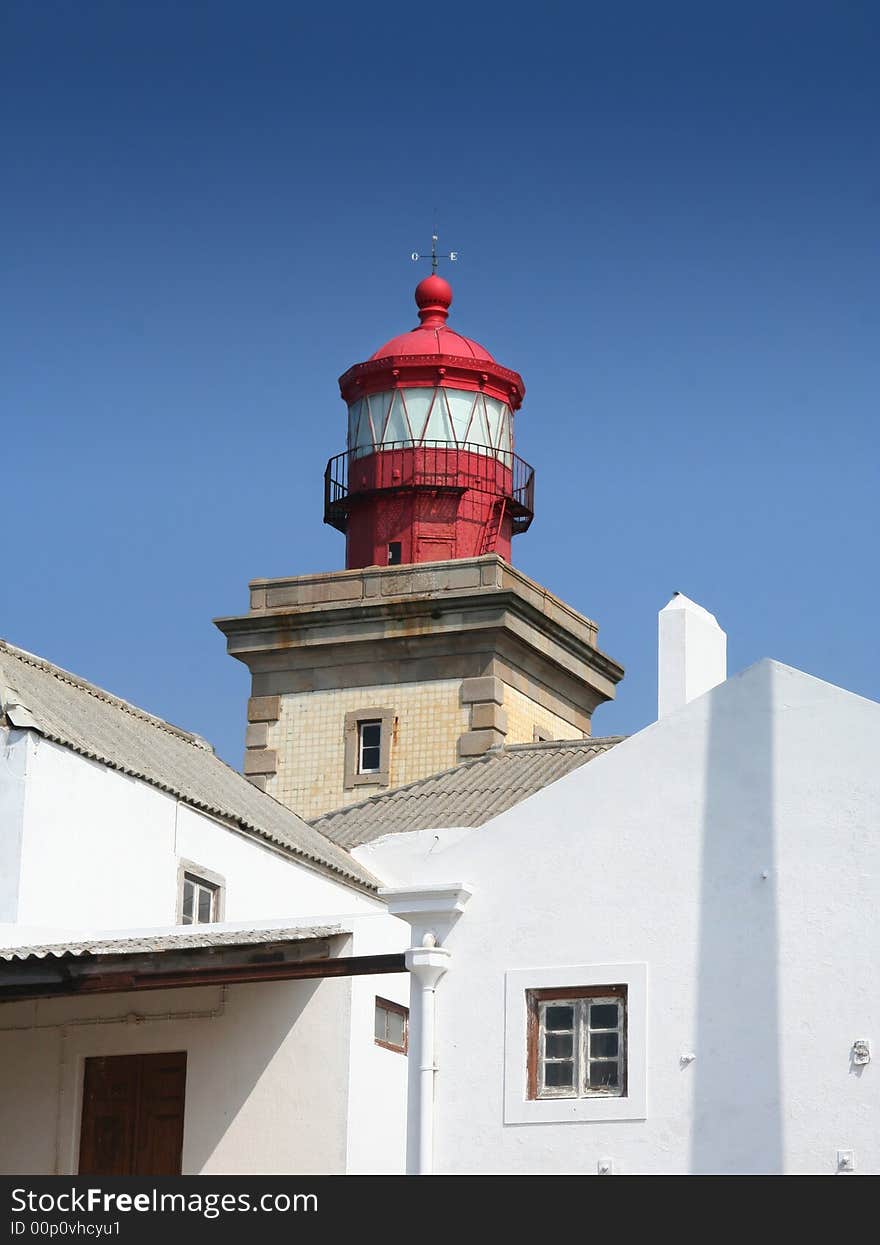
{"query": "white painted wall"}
(260, 881)
(377, 1077)
(85, 848)
(14, 751)
(732, 849)
(266, 1080)
(98, 845)
(101, 849)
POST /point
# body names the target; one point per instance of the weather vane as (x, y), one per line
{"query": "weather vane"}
(435, 258)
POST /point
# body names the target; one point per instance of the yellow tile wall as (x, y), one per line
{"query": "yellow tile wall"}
(309, 740)
(524, 714)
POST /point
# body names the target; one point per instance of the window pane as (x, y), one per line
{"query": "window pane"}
(370, 740)
(603, 1016)
(205, 897)
(603, 1074)
(397, 428)
(439, 425)
(354, 415)
(559, 1075)
(418, 403)
(461, 406)
(603, 1045)
(188, 892)
(379, 1028)
(559, 1018)
(395, 1028)
(379, 406)
(558, 1045)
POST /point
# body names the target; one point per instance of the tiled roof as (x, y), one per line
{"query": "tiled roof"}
(36, 695)
(466, 795)
(171, 942)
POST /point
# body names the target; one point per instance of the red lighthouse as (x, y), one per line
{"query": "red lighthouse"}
(429, 473)
(383, 673)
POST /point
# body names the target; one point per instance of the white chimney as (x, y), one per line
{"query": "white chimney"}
(692, 652)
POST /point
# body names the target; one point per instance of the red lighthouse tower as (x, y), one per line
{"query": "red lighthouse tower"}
(383, 673)
(429, 473)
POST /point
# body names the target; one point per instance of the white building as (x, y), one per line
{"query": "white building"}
(132, 857)
(666, 961)
(661, 961)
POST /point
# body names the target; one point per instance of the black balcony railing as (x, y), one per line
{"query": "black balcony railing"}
(398, 466)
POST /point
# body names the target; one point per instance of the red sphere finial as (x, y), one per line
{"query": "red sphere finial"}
(433, 297)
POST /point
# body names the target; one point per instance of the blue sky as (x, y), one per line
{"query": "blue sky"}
(667, 217)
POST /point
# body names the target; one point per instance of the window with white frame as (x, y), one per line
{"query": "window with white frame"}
(200, 900)
(369, 747)
(577, 1042)
(392, 1024)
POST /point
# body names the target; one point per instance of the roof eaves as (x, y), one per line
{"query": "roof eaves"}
(100, 693)
(142, 944)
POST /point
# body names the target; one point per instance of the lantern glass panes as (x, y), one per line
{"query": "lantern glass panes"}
(413, 416)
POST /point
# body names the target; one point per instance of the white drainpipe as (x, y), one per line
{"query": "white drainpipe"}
(431, 910)
(427, 964)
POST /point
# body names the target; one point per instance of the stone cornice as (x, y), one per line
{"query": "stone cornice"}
(409, 609)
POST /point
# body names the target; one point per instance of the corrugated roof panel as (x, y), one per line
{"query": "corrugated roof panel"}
(171, 942)
(469, 794)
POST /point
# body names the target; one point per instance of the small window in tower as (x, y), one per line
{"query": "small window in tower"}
(394, 553)
(369, 747)
(392, 1023)
(370, 736)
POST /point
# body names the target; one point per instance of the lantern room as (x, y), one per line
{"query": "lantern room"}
(429, 472)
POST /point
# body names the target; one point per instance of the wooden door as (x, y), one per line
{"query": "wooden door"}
(132, 1117)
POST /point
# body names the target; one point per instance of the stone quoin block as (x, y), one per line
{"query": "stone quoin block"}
(264, 708)
(485, 688)
(260, 761)
(475, 743)
(488, 717)
(256, 735)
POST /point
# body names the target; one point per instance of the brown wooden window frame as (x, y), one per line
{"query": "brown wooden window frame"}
(536, 1001)
(398, 1009)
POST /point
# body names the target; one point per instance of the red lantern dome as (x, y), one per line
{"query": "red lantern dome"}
(433, 335)
(429, 472)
